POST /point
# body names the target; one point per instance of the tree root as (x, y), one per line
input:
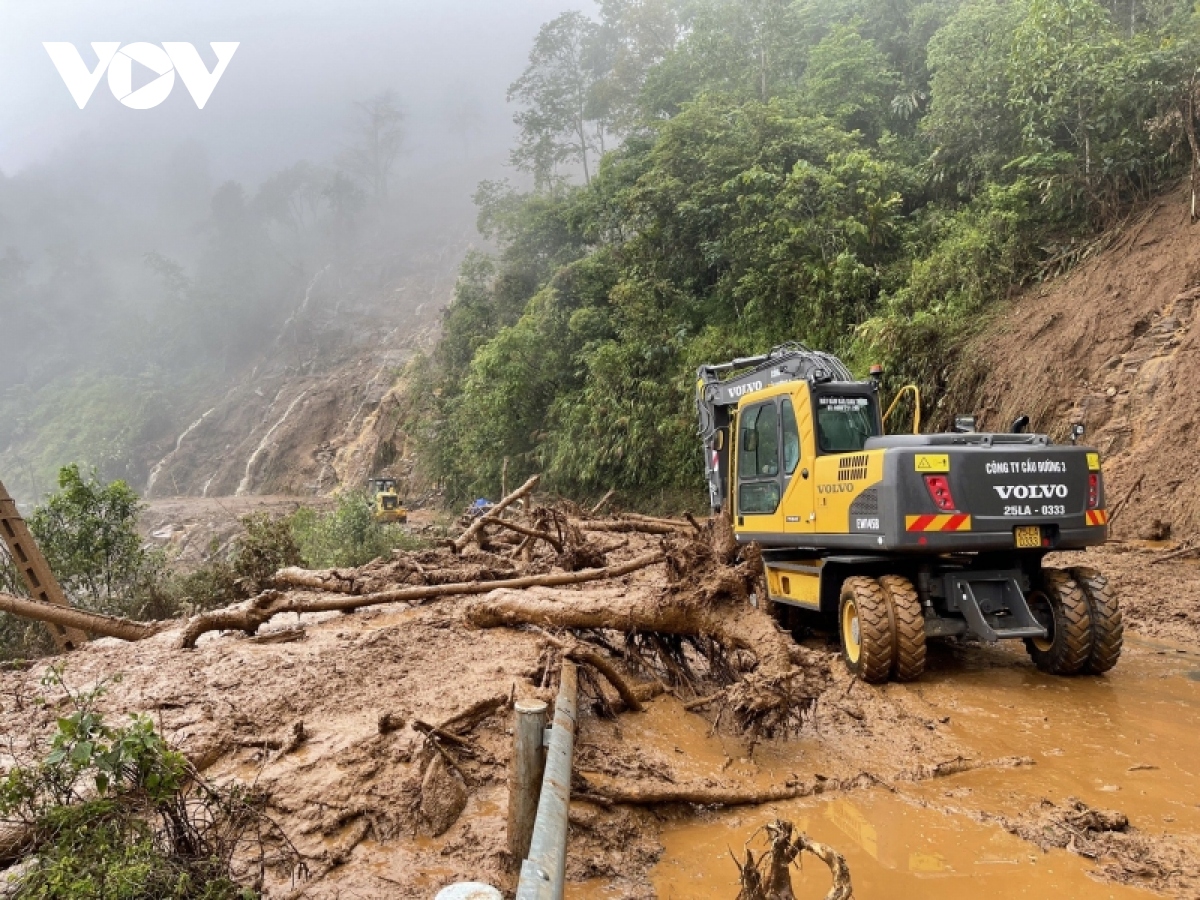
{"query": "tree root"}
(769, 877)
(712, 606)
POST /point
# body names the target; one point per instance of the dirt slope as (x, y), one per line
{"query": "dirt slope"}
(1111, 345)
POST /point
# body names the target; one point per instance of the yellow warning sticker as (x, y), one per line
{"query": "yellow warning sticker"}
(933, 462)
(1093, 462)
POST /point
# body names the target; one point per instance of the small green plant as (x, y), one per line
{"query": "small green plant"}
(347, 535)
(114, 812)
(266, 546)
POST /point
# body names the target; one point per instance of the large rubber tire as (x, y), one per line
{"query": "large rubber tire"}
(1108, 628)
(1062, 606)
(866, 629)
(909, 661)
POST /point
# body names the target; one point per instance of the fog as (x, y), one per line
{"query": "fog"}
(147, 255)
(290, 84)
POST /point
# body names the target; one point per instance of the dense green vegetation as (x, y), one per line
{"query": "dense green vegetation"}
(712, 178)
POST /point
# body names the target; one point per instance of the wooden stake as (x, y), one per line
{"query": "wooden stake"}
(525, 776)
(43, 586)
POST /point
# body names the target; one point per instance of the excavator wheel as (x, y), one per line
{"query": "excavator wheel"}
(1108, 630)
(909, 661)
(866, 628)
(1061, 605)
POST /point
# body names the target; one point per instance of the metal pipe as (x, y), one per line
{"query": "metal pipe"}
(525, 774)
(543, 874)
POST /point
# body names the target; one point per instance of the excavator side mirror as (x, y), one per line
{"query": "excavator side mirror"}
(1020, 423)
(719, 441)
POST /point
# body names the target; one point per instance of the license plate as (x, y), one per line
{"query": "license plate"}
(1029, 536)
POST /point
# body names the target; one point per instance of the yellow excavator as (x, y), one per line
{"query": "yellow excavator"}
(386, 503)
(907, 537)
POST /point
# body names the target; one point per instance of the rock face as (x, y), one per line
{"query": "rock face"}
(1112, 345)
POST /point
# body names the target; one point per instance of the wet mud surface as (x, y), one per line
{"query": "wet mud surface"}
(1125, 742)
(985, 778)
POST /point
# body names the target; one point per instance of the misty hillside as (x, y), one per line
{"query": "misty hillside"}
(179, 271)
(657, 184)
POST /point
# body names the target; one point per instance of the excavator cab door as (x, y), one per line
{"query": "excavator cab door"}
(774, 494)
(759, 483)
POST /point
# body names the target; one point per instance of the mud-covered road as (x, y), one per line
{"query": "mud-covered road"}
(981, 779)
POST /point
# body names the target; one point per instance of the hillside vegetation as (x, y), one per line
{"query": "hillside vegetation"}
(713, 178)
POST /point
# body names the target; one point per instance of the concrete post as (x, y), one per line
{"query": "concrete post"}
(525, 776)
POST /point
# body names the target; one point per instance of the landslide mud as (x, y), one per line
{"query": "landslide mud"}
(967, 782)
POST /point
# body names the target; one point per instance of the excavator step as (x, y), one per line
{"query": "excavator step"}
(962, 589)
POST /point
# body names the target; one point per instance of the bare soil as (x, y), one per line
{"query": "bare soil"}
(374, 819)
(1112, 345)
(1158, 592)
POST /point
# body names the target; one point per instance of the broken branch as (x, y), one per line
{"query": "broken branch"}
(68, 617)
(467, 536)
(528, 532)
(603, 501)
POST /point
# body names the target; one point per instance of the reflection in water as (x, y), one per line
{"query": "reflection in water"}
(893, 850)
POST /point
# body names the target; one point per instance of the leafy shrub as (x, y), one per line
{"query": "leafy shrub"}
(88, 532)
(348, 535)
(113, 812)
(266, 546)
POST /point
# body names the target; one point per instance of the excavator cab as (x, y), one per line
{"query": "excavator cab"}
(387, 506)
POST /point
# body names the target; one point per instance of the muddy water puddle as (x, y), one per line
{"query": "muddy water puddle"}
(1126, 741)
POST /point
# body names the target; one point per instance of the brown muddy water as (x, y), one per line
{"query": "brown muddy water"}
(1127, 741)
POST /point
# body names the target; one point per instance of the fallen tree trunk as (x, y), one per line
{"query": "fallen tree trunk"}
(68, 617)
(630, 525)
(330, 580)
(653, 520)
(711, 604)
(262, 608)
(467, 536)
(633, 794)
(735, 628)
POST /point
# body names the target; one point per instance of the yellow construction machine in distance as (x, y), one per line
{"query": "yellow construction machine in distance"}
(386, 501)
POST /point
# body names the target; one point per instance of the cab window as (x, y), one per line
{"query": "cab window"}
(845, 422)
(758, 460)
(791, 437)
(759, 453)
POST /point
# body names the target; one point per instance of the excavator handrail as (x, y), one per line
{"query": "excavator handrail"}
(916, 391)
